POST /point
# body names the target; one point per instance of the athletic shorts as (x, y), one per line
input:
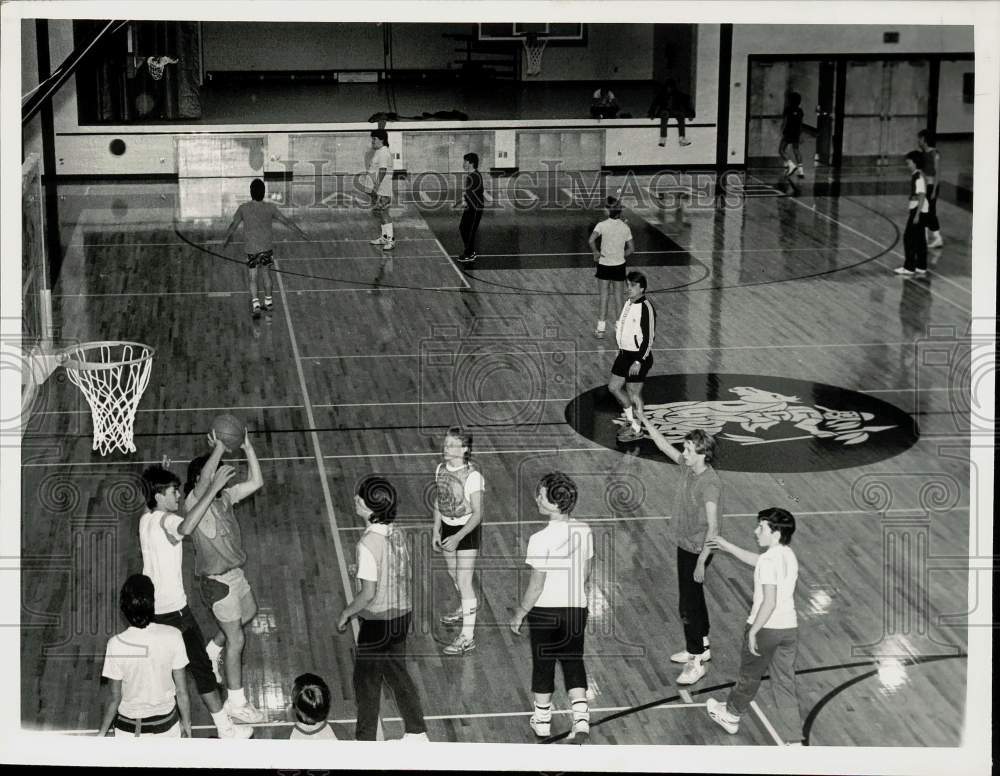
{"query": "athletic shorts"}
(470, 541)
(229, 595)
(262, 259)
(380, 203)
(624, 362)
(610, 272)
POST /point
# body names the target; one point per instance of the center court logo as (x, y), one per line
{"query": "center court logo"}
(761, 423)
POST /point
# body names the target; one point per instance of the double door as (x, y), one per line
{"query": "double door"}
(857, 111)
(885, 105)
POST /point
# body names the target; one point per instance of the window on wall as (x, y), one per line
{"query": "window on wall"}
(968, 88)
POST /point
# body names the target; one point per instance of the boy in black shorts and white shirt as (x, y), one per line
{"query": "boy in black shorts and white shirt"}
(634, 330)
(616, 247)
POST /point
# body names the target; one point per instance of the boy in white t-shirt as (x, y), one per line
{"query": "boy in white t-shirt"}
(554, 605)
(145, 668)
(616, 247)
(770, 643)
(380, 183)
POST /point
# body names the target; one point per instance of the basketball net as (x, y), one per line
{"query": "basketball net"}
(534, 47)
(156, 65)
(113, 377)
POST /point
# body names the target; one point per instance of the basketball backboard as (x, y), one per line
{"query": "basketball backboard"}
(568, 33)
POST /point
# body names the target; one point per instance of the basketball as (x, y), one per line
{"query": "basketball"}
(229, 430)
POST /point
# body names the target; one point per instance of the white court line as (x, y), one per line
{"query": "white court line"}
(894, 252)
(80, 244)
(451, 262)
(379, 256)
(652, 518)
(321, 465)
(373, 289)
(449, 402)
(612, 350)
(595, 449)
(484, 715)
(767, 723)
(686, 697)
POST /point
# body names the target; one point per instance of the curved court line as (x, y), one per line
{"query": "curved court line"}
(810, 719)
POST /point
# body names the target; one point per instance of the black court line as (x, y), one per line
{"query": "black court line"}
(810, 718)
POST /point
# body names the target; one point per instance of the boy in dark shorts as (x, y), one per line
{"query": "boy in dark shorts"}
(616, 246)
(634, 330)
(258, 218)
(791, 129)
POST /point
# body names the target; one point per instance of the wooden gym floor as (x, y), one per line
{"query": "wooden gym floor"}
(368, 356)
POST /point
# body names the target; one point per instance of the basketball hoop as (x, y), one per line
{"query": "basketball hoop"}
(156, 65)
(113, 376)
(534, 47)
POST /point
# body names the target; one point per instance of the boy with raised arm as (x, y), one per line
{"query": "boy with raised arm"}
(219, 562)
(161, 535)
(697, 518)
(258, 217)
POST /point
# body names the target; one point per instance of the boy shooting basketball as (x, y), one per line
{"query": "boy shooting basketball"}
(219, 567)
(258, 218)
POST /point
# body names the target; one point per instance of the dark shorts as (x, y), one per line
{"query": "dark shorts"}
(623, 363)
(194, 644)
(610, 272)
(262, 259)
(470, 541)
(794, 140)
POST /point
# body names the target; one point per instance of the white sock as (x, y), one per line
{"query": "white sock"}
(704, 641)
(581, 710)
(469, 606)
(213, 650)
(543, 713)
(387, 231)
(237, 697)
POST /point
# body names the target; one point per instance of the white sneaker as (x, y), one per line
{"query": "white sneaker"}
(580, 734)
(684, 141)
(685, 657)
(414, 738)
(388, 245)
(229, 730)
(720, 716)
(379, 241)
(800, 171)
(902, 271)
(692, 672)
(541, 729)
(920, 271)
(246, 713)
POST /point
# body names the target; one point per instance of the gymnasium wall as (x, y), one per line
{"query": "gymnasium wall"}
(244, 46)
(825, 39)
(612, 51)
(954, 115)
